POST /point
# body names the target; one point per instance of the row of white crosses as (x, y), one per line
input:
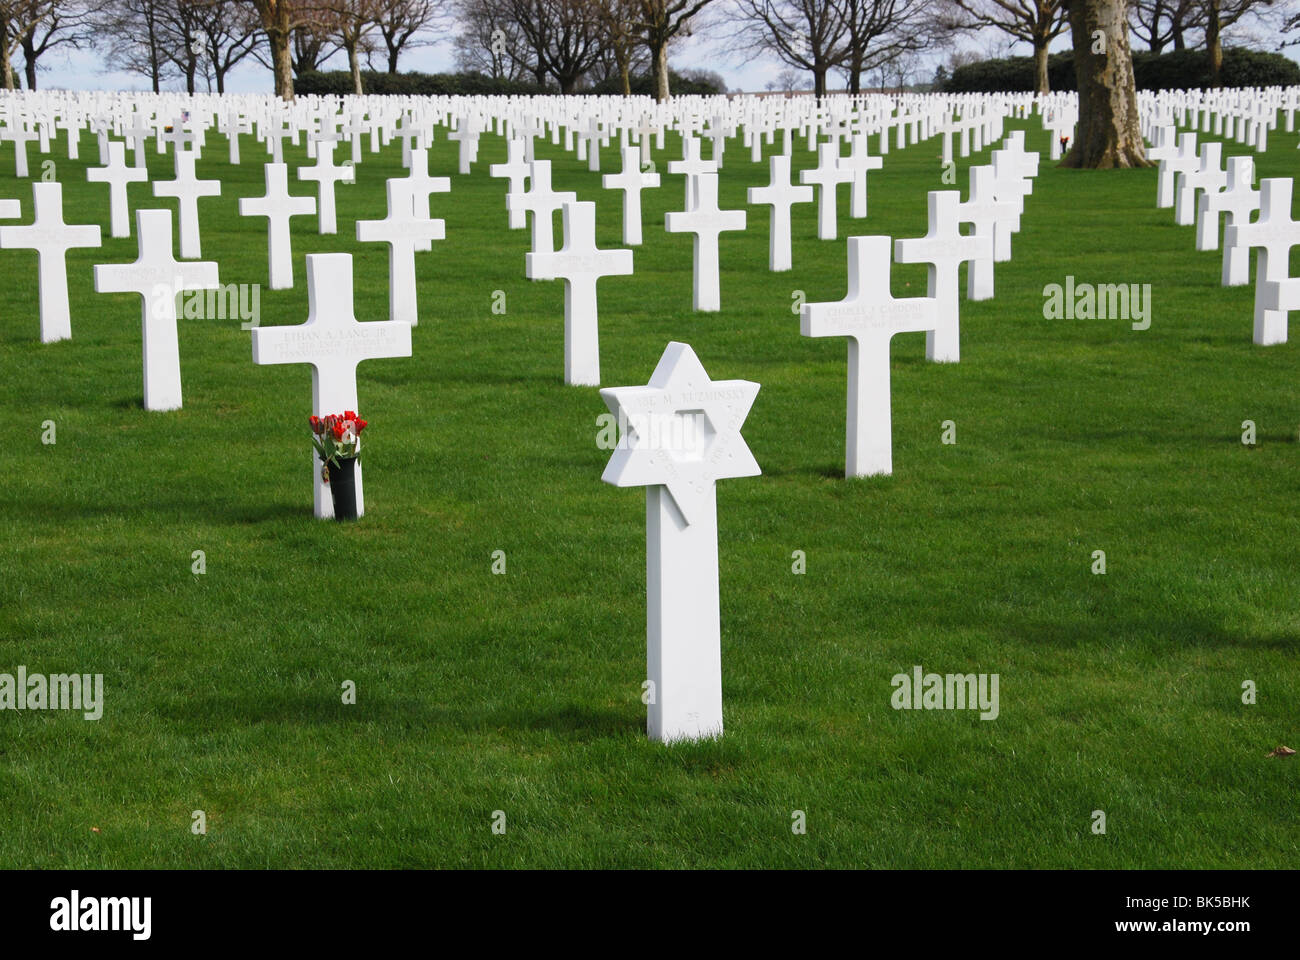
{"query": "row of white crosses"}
(1274, 234)
(32, 117)
(1243, 114)
(1202, 191)
(870, 315)
(997, 196)
(702, 217)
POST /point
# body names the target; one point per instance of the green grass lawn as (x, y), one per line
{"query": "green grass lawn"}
(521, 693)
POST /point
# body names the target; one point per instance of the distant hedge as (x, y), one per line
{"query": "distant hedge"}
(643, 85)
(339, 83)
(1179, 69)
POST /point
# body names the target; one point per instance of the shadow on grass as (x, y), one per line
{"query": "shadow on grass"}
(247, 708)
(201, 509)
(830, 472)
(1140, 629)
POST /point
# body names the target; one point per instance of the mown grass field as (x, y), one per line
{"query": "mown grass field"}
(521, 692)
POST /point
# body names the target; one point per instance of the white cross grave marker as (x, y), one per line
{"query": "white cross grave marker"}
(421, 187)
(515, 171)
(706, 221)
(17, 132)
(984, 213)
(580, 264)
(631, 181)
(159, 279)
(693, 166)
(51, 238)
(943, 248)
(334, 343)
(1237, 202)
(117, 174)
(780, 194)
(278, 206)
(1209, 176)
(859, 162)
(869, 316)
(827, 175)
(542, 202)
(325, 175)
(187, 189)
(1275, 233)
(404, 233)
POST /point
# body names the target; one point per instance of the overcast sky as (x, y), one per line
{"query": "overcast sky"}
(84, 70)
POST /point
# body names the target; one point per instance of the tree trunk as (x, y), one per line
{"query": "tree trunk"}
(1109, 135)
(191, 68)
(623, 58)
(1214, 42)
(354, 65)
(1041, 84)
(221, 77)
(1179, 42)
(855, 72)
(660, 60)
(29, 61)
(392, 57)
(819, 82)
(281, 63)
(155, 53)
(6, 65)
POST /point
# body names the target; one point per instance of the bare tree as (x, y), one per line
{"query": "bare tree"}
(17, 19)
(404, 24)
(1036, 22)
(64, 23)
(1217, 16)
(1158, 23)
(805, 34)
(895, 75)
(790, 81)
(620, 40)
(349, 22)
(228, 33)
(278, 20)
(564, 36)
(658, 22)
(490, 42)
(133, 37)
(181, 44)
(882, 31)
(1108, 134)
(312, 46)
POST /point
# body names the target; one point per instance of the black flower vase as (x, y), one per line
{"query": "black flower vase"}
(343, 488)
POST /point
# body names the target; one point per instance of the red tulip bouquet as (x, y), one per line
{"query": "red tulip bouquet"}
(336, 437)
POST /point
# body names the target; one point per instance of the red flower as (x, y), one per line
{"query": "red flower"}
(349, 414)
(317, 427)
(337, 430)
(361, 425)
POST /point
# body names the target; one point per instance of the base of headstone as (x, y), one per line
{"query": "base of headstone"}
(683, 649)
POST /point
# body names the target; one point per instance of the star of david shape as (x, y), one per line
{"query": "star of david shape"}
(693, 436)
